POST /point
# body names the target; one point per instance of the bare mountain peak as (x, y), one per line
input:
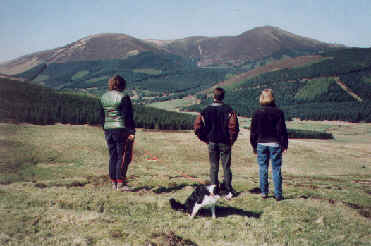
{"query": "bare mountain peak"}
(251, 45)
(116, 36)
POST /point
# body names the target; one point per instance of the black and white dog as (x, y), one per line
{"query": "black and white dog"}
(202, 196)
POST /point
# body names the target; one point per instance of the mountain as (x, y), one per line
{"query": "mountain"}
(95, 47)
(252, 45)
(249, 46)
(334, 85)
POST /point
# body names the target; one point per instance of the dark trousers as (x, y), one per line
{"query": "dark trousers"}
(119, 156)
(223, 152)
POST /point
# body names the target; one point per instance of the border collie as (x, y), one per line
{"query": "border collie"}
(202, 197)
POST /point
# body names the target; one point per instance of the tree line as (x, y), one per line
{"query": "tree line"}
(311, 92)
(30, 103)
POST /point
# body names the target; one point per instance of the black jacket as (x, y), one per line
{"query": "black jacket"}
(217, 123)
(267, 126)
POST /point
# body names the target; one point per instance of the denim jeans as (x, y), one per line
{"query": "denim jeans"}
(117, 140)
(217, 152)
(266, 153)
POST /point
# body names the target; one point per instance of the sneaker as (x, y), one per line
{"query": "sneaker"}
(114, 186)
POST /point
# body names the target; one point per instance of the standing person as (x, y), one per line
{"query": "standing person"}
(268, 137)
(119, 130)
(217, 125)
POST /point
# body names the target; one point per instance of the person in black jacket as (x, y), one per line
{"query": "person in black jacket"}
(221, 128)
(268, 137)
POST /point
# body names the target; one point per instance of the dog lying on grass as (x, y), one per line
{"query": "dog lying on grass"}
(202, 197)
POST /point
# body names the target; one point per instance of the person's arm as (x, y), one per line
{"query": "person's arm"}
(102, 116)
(253, 133)
(127, 112)
(233, 127)
(282, 132)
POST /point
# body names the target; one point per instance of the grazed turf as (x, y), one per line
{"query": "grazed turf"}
(55, 191)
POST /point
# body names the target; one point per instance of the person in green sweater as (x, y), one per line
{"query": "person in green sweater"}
(119, 130)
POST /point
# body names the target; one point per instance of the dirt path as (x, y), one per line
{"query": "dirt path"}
(347, 89)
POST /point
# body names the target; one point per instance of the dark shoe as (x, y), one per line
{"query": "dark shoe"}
(264, 196)
(279, 198)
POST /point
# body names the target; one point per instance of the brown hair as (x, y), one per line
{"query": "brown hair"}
(266, 97)
(117, 83)
(219, 94)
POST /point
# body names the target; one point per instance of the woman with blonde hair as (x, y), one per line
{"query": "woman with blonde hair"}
(119, 130)
(268, 137)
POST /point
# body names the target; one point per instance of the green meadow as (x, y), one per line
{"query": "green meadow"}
(55, 190)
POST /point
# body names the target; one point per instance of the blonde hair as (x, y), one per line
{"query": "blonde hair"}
(266, 97)
(117, 83)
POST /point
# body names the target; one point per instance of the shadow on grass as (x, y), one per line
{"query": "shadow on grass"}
(228, 211)
(142, 189)
(162, 189)
(362, 210)
(255, 190)
(170, 188)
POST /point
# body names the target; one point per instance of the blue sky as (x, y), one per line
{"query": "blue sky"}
(27, 26)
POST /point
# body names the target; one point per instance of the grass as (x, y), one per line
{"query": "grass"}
(101, 78)
(314, 88)
(150, 71)
(54, 190)
(80, 75)
(174, 105)
(41, 78)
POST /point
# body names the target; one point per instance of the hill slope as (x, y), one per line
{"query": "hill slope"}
(334, 87)
(249, 46)
(21, 101)
(146, 72)
(95, 47)
(232, 50)
(55, 190)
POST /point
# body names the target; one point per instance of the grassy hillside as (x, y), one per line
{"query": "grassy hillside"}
(331, 86)
(157, 72)
(26, 102)
(54, 190)
(334, 88)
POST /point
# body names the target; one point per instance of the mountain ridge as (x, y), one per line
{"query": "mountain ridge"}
(248, 46)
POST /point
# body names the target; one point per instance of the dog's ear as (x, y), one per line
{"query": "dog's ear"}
(201, 191)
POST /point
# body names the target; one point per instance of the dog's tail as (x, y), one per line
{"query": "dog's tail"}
(176, 205)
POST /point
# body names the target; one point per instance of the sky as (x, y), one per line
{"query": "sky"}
(28, 26)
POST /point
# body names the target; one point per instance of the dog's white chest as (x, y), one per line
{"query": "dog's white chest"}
(209, 200)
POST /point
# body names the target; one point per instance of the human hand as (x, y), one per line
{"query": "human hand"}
(131, 137)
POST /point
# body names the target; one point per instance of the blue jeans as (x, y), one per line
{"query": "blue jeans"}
(266, 153)
(217, 152)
